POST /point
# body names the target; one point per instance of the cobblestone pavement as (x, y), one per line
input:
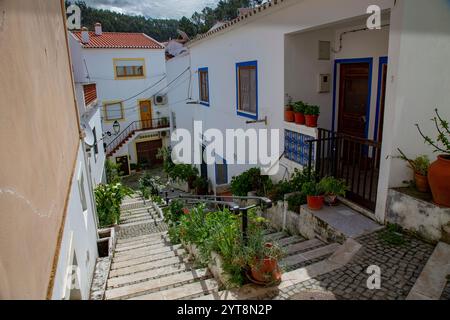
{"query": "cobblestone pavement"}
(400, 267)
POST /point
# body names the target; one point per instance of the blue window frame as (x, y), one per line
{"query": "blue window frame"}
(381, 63)
(247, 89)
(203, 86)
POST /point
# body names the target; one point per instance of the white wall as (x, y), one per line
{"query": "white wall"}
(418, 81)
(80, 236)
(260, 38)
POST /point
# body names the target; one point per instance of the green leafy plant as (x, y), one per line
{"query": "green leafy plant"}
(173, 212)
(108, 198)
(201, 185)
(250, 180)
(393, 235)
(112, 171)
(152, 183)
(312, 110)
(313, 188)
(299, 107)
(164, 154)
(295, 201)
(442, 142)
(333, 186)
(419, 165)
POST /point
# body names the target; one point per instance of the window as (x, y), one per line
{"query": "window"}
(203, 86)
(113, 111)
(129, 68)
(247, 89)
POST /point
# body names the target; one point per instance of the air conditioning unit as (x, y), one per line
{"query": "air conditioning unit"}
(160, 99)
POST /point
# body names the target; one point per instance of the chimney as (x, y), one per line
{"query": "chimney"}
(98, 29)
(84, 35)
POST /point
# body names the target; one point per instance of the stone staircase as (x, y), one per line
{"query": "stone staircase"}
(149, 267)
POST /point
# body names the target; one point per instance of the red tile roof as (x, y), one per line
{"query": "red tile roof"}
(119, 40)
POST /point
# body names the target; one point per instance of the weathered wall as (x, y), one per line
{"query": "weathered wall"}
(38, 126)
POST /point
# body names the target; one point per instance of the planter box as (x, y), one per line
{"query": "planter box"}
(106, 242)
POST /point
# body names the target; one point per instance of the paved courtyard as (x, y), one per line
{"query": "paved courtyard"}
(400, 267)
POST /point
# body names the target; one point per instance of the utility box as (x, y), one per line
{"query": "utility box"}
(324, 83)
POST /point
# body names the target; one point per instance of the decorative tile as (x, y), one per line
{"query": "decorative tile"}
(296, 147)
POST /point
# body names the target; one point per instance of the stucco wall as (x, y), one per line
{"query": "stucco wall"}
(39, 140)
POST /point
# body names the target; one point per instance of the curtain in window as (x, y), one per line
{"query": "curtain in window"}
(247, 89)
(113, 111)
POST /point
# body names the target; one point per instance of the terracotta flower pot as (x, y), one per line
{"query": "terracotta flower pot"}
(299, 118)
(315, 202)
(266, 270)
(331, 200)
(289, 116)
(421, 182)
(311, 120)
(439, 179)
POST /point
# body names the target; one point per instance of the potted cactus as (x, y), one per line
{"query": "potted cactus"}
(439, 171)
(299, 112)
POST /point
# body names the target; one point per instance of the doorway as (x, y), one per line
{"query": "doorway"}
(124, 167)
(354, 98)
(145, 108)
(203, 166)
(146, 152)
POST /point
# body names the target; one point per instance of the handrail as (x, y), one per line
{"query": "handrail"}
(134, 126)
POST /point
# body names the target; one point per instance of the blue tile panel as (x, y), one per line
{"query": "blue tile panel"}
(296, 147)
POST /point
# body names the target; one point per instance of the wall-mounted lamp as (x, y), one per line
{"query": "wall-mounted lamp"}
(116, 127)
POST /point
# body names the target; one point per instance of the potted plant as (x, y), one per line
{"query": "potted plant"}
(314, 195)
(312, 115)
(295, 201)
(439, 171)
(288, 110)
(299, 112)
(201, 185)
(333, 188)
(262, 258)
(420, 167)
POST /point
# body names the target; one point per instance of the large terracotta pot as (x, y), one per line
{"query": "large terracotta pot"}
(299, 118)
(315, 202)
(421, 182)
(439, 179)
(266, 270)
(289, 116)
(311, 120)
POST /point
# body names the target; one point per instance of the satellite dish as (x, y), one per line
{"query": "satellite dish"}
(89, 138)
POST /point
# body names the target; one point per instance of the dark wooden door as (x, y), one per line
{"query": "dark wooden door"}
(124, 169)
(353, 99)
(147, 151)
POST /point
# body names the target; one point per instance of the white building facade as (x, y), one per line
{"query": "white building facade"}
(128, 70)
(373, 84)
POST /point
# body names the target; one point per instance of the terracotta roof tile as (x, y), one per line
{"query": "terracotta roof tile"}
(119, 40)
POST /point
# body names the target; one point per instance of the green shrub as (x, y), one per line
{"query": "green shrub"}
(173, 212)
(152, 183)
(312, 110)
(295, 201)
(250, 180)
(299, 107)
(108, 198)
(112, 171)
(312, 188)
(333, 186)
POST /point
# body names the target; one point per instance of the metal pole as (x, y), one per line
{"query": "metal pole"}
(245, 225)
(310, 159)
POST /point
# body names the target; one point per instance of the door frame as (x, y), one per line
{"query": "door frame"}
(337, 63)
(136, 141)
(381, 63)
(151, 108)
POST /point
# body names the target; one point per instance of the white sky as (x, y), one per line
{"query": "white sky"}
(154, 8)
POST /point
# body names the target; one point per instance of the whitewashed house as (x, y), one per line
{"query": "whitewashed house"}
(371, 84)
(128, 71)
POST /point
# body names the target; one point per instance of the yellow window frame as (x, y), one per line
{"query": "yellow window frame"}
(116, 77)
(112, 102)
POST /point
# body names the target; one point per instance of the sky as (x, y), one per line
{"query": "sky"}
(154, 8)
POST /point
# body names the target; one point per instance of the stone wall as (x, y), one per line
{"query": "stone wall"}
(421, 217)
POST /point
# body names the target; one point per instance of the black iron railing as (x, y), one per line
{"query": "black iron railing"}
(226, 201)
(139, 125)
(353, 159)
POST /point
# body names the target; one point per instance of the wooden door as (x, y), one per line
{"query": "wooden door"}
(124, 169)
(146, 113)
(147, 151)
(353, 99)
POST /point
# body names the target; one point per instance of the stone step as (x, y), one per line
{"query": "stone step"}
(142, 244)
(154, 221)
(302, 246)
(150, 245)
(137, 211)
(290, 240)
(152, 258)
(309, 255)
(183, 292)
(135, 216)
(147, 266)
(146, 219)
(146, 275)
(275, 236)
(143, 252)
(159, 235)
(155, 284)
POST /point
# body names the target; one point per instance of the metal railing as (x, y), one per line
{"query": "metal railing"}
(263, 202)
(353, 159)
(138, 125)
